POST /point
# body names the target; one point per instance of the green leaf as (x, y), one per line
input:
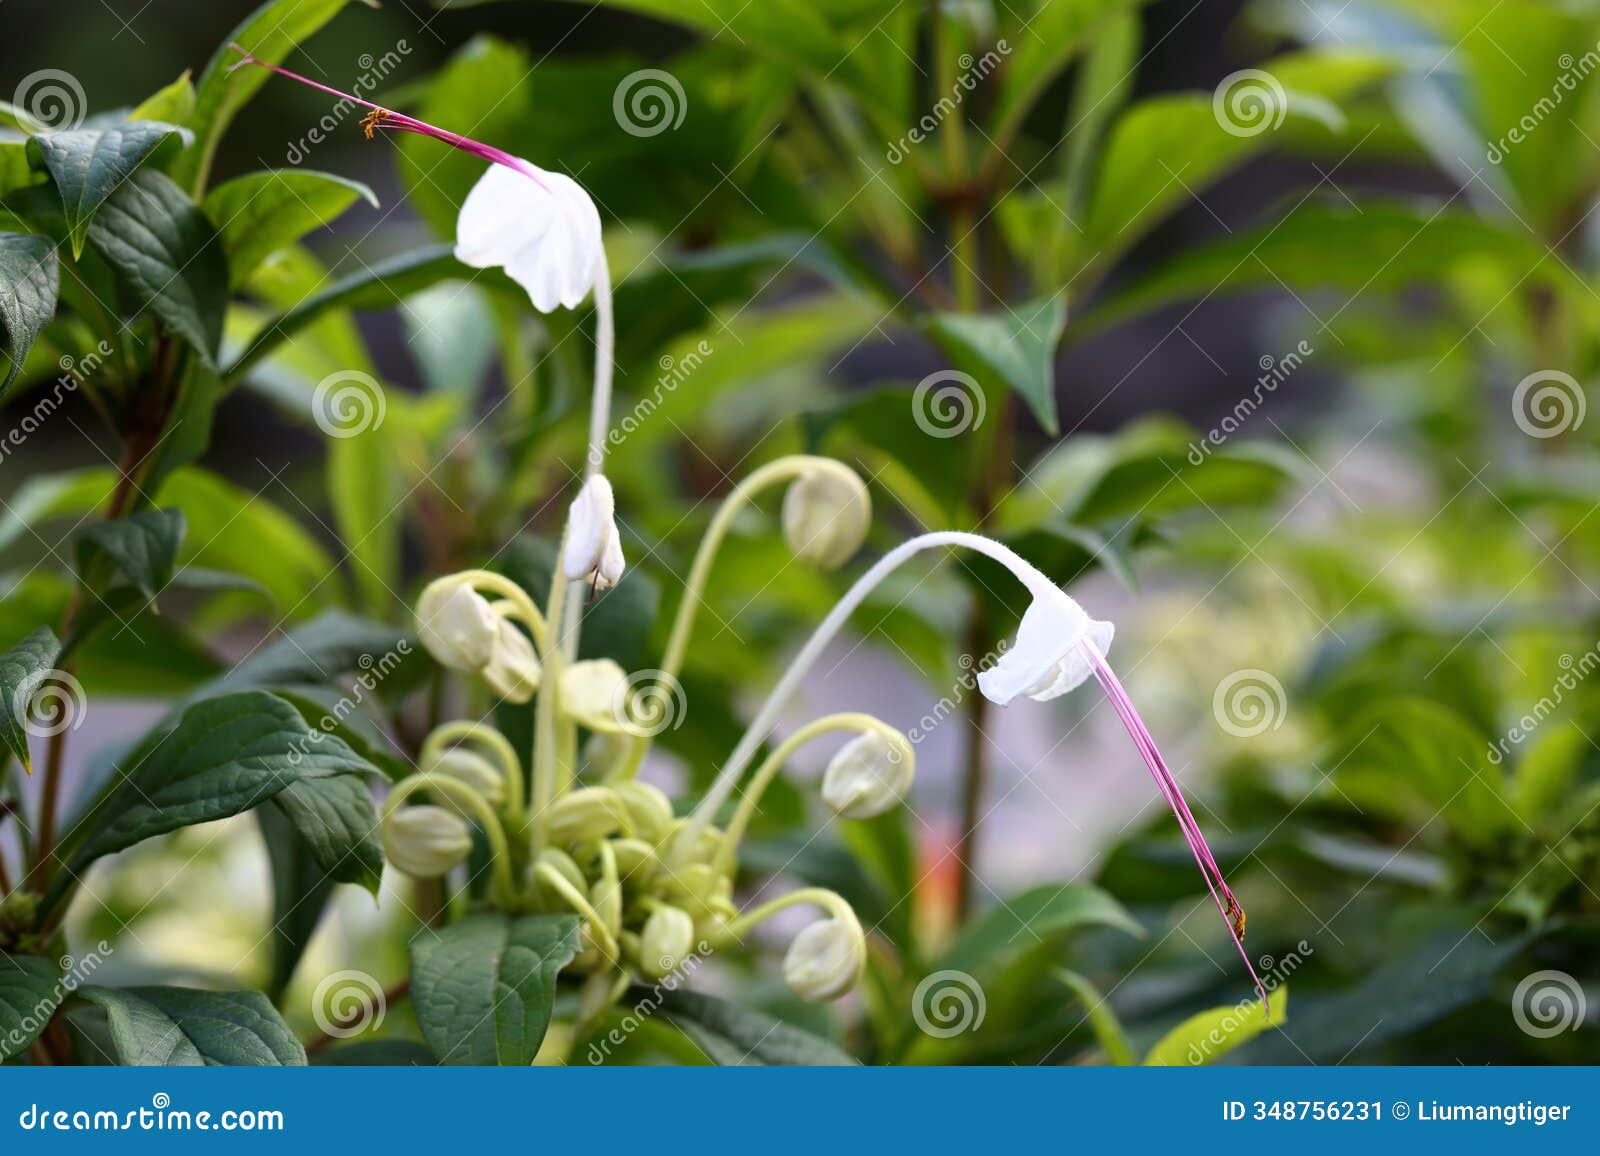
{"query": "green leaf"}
(30, 277)
(269, 33)
(30, 991)
(21, 669)
(173, 104)
(166, 255)
(89, 165)
(142, 546)
(258, 214)
(484, 988)
(224, 756)
(300, 891)
(1102, 1020)
(1018, 345)
(1025, 920)
(375, 287)
(185, 1027)
(732, 1035)
(338, 821)
(324, 649)
(1206, 1035)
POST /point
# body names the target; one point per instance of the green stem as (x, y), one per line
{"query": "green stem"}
(467, 730)
(829, 901)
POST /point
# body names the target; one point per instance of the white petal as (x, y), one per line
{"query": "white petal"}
(594, 549)
(544, 232)
(1045, 660)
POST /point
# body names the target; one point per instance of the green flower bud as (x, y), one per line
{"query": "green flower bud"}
(595, 694)
(636, 861)
(470, 768)
(425, 842)
(568, 869)
(826, 959)
(826, 514)
(513, 670)
(668, 937)
(649, 809)
(870, 774)
(699, 888)
(586, 814)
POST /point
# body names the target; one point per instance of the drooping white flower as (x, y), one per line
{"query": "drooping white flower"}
(869, 774)
(826, 514)
(1047, 659)
(826, 959)
(425, 841)
(593, 552)
(540, 227)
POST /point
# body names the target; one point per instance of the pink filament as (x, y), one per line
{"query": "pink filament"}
(388, 118)
(1168, 786)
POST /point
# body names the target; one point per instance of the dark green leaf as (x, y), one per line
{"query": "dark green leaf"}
(258, 214)
(89, 165)
(22, 668)
(484, 988)
(184, 1027)
(30, 991)
(29, 280)
(338, 821)
(1025, 920)
(735, 1036)
(323, 650)
(166, 255)
(143, 547)
(1018, 345)
(300, 891)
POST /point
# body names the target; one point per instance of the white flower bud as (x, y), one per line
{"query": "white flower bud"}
(826, 513)
(425, 842)
(457, 625)
(826, 959)
(594, 693)
(871, 773)
(471, 768)
(586, 814)
(593, 552)
(668, 938)
(648, 807)
(512, 670)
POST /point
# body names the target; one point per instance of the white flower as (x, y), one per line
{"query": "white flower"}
(540, 227)
(593, 551)
(425, 842)
(826, 513)
(826, 959)
(457, 625)
(668, 937)
(1047, 660)
(870, 774)
(513, 669)
(594, 693)
(471, 768)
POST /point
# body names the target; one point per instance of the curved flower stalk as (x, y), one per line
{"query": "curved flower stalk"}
(1058, 648)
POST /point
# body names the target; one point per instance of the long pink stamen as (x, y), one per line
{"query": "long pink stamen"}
(381, 117)
(1232, 913)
